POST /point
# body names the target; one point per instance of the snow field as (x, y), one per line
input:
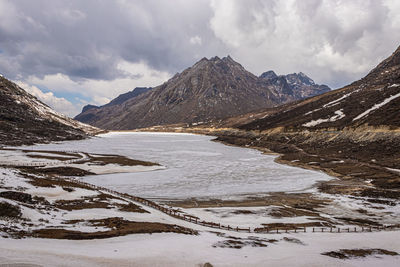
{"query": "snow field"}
(183, 250)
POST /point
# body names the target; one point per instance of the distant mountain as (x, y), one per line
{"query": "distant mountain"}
(269, 75)
(124, 97)
(374, 100)
(89, 107)
(211, 89)
(88, 112)
(296, 85)
(26, 120)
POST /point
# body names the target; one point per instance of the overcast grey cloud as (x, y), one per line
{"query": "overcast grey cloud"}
(90, 51)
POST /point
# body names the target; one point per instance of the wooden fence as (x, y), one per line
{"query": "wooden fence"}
(176, 213)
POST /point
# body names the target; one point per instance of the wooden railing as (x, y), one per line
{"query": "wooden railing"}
(176, 213)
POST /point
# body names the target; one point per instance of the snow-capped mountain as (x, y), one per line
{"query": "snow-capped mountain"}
(25, 120)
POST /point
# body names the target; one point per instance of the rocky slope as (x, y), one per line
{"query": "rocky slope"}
(26, 120)
(210, 90)
(374, 100)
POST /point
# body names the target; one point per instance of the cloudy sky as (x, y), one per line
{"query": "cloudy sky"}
(70, 53)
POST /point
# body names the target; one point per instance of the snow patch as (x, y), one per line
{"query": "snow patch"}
(394, 170)
(334, 102)
(339, 115)
(58, 193)
(377, 106)
(337, 101)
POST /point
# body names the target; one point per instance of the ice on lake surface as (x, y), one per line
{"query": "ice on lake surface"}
(195, 166)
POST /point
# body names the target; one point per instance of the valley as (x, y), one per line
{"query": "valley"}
(199, 133)
(274, 174)
(286, 210)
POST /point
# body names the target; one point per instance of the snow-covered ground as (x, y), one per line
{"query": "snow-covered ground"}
(194, 166)
(186, 250)
(244, 216)
(19, 157)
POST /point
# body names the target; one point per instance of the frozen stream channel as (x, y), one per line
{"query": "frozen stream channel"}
(194, 167)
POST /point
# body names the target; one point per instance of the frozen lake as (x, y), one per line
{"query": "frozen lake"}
(194, 167)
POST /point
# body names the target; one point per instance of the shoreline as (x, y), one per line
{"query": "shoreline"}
(293, 203)
(246, 139)
(111, 225)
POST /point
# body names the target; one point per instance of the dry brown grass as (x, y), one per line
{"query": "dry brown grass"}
(358, 253)
(117, 226)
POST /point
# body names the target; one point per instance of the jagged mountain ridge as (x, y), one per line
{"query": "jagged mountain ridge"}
(26, 120)
(297, 85)
(373, 100)
(211, 89)
(87, 111)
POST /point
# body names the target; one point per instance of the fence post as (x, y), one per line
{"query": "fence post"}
(304, 229)
(313, 230)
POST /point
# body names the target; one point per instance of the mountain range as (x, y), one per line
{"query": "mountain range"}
(351, 133)
(373, 100)
(212, 89)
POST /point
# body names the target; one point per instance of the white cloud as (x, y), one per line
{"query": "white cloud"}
(333, 41)
(195, 40)
(99, 92)
(100, 49)
(59, 104)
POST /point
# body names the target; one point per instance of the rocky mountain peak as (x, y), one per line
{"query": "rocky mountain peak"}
(228, 59)
(299, 78)
(268, 75)
(295, 85)
(211, 89)
(89, 107)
